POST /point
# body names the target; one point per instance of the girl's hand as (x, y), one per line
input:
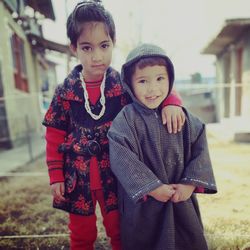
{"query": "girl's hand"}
(182, 192)
(174, 117)
(57, 190)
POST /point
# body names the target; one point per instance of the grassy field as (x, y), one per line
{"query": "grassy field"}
(226, 215)
(25, 207)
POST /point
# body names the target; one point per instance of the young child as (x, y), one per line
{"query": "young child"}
(77, 122)
(157, 172)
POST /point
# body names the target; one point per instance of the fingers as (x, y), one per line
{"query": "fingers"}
(169, 124)
(166, 198)
(179, 123)
(174, 120)
(59, 196)
(174, 124)
(183, 117)
(62, 188)
(58, 192)
(174, 186)
(164, 119)
(169, 193)
(175, 198)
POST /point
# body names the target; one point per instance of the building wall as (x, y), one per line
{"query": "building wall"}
(233, 78)
(21, 107)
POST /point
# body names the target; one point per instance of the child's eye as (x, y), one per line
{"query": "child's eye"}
(105, 45)
(142, 81)
(86, 48)
(160, 78)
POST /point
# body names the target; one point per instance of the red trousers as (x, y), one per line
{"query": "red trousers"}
(83, 229)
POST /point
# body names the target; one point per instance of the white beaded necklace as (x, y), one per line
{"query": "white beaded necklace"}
(102, 99)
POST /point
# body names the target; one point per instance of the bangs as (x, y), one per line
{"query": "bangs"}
(82, 27)
(151, 61)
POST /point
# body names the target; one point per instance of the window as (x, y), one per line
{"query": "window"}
(19, 63)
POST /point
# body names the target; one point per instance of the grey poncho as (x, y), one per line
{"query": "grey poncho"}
(143, 156)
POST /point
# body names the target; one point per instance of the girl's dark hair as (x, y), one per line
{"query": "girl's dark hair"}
(88, 11)
(142, 63)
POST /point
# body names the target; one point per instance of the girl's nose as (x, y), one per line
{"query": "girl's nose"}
(96, 56)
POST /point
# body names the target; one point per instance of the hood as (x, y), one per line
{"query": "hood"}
(143, 51)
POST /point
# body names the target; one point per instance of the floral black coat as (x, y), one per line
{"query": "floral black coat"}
(67, 113)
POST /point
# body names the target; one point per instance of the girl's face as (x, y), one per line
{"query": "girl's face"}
(150, 85)
(94, 50)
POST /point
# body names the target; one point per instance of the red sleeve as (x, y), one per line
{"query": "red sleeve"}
(174, 98)
(199, 190)
(54, 137)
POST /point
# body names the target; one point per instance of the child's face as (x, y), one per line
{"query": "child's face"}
(150, 85)
(94, 50)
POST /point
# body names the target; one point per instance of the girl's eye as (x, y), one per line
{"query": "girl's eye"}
(86, 48)
(105, 46)
(160, 78)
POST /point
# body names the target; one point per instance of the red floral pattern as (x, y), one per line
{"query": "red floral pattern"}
(115, 91)
(112, 199)
(80, 164)
(81, 204)
(67, 112)
(66, 105)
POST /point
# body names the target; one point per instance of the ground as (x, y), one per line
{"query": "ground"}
(25, 207)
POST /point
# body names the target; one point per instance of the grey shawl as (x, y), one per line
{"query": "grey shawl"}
(144, 155)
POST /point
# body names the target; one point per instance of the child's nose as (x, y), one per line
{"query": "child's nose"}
(96, 56)
(151, 86)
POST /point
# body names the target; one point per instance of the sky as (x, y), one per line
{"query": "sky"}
(182, 27)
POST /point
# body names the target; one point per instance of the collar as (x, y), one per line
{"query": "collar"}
(141, 108)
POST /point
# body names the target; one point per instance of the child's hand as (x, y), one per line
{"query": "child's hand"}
(58, 191)
(162, 193)
(174, 117)
(182, 192)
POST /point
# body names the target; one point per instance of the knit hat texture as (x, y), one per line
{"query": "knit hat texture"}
(143, 51)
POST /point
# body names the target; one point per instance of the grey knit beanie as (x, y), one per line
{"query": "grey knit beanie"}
(143, 51)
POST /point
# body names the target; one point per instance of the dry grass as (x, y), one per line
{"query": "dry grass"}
(226, 215)
(25, 209)
(25, 206)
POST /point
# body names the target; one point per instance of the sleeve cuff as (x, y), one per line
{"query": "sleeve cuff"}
(173, 99)
(145, 190)
(56, 175)
(199, 190)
